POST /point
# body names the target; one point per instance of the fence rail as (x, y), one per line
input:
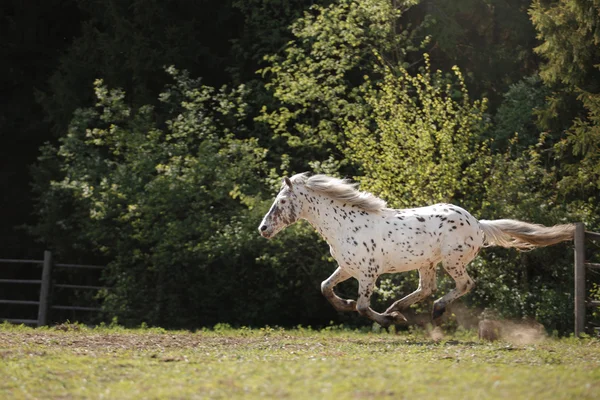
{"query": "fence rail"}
(36, 281)
(581, 235)
(44, 303)
(25, 302)
(13, 261)
(79, 266)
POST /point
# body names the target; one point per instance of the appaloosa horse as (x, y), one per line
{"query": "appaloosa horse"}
(368, 239)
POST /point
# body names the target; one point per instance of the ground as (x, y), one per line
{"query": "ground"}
(72, 361)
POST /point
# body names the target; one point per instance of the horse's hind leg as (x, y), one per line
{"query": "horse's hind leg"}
(365, 289)
(427, 285)
(455, 265)
(327, 289)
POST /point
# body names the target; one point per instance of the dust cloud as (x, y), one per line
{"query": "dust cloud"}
(515, 332)
(491, 327)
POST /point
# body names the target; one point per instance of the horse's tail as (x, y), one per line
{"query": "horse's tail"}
(523, 235)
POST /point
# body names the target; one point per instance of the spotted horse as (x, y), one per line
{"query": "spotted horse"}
(368, 239)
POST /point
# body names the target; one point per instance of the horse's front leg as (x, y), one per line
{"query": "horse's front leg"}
(327, 289)
(365, 290)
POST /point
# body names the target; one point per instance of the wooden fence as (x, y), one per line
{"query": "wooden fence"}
(46, 286)
(581, 265)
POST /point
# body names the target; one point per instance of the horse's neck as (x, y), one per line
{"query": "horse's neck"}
(329, 217)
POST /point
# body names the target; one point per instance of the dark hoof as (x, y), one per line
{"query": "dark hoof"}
(398, 317)
(438, 311)
(343, 305)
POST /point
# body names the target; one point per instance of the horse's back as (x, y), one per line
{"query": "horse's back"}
(427, 235)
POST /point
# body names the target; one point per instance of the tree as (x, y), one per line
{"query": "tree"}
(128, 44)
(570, 34)
(491, 41)
(319, 80)
(517, 115)
(169, 205)
(265, 30)
(426, 144)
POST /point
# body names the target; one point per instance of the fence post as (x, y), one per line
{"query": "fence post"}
(45, 289)
(579, 278)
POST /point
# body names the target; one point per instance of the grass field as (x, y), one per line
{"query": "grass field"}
(72, 361)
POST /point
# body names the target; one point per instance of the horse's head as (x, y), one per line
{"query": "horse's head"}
(284, 211)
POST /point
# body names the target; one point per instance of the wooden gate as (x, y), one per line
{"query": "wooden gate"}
(46, 286)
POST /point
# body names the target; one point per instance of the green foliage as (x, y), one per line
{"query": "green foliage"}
(570, 36)
(416, 139)
(552, 180)
(425, 145)
(517, 114)
(334, 88)
(173, 206)
(266, 28)
(169, 204)
(569, 33)
(319, 79)
(523, 185)
(582, 175)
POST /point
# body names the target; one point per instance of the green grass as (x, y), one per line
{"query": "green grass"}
(72, 361)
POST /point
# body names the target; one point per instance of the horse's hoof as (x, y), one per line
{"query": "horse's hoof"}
(398, 317)
(437, 313)
(351, 303)
(393, 319)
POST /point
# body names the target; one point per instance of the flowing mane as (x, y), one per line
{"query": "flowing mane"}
(340, 189)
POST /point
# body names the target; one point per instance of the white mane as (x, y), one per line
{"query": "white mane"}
(340, 189)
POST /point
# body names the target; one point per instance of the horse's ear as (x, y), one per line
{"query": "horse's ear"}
(288, 182)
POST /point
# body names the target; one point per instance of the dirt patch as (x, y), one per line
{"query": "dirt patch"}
(90, 340)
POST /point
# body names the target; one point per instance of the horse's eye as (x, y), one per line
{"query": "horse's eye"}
(283, 201)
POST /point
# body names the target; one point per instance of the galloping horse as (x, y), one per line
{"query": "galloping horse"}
(368, 239)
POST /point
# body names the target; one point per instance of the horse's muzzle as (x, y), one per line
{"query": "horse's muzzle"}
(264, 231)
